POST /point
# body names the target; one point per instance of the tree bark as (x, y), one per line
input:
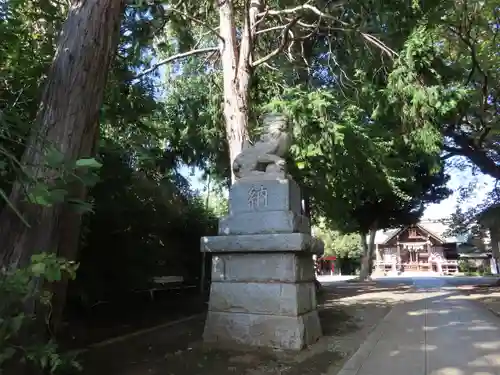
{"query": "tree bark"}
(364, 272)
(68, 120)
(368, 249)
(237, 72)
(477, 154)
(69, 232)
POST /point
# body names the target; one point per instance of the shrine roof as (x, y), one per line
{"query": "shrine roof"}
(434, 227)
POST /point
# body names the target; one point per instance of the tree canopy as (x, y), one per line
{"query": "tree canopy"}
(338, 244)
(94, 135)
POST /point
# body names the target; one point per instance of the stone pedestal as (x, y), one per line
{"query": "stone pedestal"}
(262, 291)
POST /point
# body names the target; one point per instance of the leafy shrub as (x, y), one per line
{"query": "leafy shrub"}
(20, 290)
(464, 266)
(142, 226)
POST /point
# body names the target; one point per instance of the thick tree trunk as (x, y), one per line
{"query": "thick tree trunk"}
(368, 249)
(68, 120)
(237, 73)
(69, 236)
(365, 266)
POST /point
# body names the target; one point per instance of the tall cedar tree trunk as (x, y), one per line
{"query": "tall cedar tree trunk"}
(69, 232)
(68, 118)
(305, 79)
(368, 248)
(237, 72)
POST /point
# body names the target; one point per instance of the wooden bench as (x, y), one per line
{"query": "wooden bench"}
(161, 283)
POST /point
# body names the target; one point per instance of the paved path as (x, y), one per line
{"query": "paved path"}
(434, 332)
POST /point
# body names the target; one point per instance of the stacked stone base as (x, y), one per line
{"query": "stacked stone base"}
(262, 291)
(263, 299)
(273, 331)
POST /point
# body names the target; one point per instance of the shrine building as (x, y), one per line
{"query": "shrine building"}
(423, 247)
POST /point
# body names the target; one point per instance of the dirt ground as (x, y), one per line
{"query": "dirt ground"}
(348, 313)
(135, 312)
(488, 295)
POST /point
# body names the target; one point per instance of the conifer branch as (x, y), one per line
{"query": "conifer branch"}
(281, 47)
(175, 57)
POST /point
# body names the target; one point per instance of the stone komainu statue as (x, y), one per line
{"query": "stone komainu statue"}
(264, 158)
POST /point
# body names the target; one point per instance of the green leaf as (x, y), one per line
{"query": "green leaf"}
(43, 362)
(312, 150)
(90, 179)
(54, 158)
(39, 194)
(39, 199)
(40, 258)
(58, 195)
(38, 269)
(81, 206)
(54, 274)
(301, 165)
(88, 163)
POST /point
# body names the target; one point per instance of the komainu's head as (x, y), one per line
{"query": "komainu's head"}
(275, 124)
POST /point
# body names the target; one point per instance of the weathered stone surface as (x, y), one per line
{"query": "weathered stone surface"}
(259, 267)
(264, 222)
(265, 195)
(263, 298)
(276, 242)
(265, 157)
(284, 332)
(262, 291)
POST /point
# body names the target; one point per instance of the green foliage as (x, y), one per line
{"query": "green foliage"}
(154, 214)
(150, 205)
(217, 203)
(47, 192)
(338, 244)
(371, 119)
(473, 220)
(28, 35)
(446, 79)
(193, 122)
(338, 145)
(19, 287)
(464, 266)
(143, 225)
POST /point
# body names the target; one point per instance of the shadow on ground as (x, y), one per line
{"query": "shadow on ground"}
(439, 332)
(487, 295)
(126, 314)
(348, 314)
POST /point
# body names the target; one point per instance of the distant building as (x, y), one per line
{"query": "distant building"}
(416, 248)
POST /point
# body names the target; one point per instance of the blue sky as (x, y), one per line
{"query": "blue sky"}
(460, 179)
